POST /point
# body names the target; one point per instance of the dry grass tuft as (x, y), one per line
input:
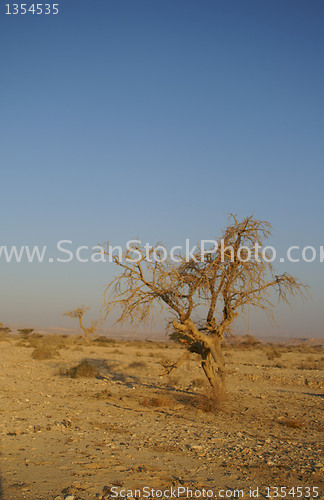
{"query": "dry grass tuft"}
(84, 369)
(137, 364)
(103, 394)
(103, 341)
(248, 341)
(198, 382)
(273, 353)
(4, 332)
(280, 365)
(211, 400)
(45, 341)
(172, 381)
(311, 364)
(44, 352)
(157, 402)
(77, 348)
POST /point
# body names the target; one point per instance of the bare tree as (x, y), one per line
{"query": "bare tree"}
(202, 295)
(78, 313)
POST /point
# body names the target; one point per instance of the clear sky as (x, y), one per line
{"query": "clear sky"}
(156, 119)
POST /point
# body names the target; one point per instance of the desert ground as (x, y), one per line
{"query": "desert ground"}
(114, 425)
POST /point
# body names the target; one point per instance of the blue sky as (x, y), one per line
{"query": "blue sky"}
(157, 119)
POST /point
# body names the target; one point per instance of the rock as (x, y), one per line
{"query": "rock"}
(196, 447)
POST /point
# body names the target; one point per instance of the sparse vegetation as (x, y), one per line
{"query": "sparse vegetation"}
(44, 352)
(25, 332)
(273, 353)
(248, 341)
(198, 382)
(121, 412)
(104, 341)
(158, 402)
(172, 381)
(83, 369)
(4, 331)
(211, 401)
(311, 364)
(104, 394)
(137, 365)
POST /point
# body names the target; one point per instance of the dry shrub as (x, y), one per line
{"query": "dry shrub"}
(172, 381)
(211, 400)
(137, 364)
(56, 341)
(198, 382)
(157, 402)
(248, 341)
(4, 334)
(103, 394)
(273, 353)
(4, 331)
(291, 422)
(83, 369)
(103, 341)
(77, 348)
(116, 351)
(280, 365)
(39, 340)
(29, 340)
(161, 345)
(44, 352)
(25, 332)
(80, 340)
(311, 364)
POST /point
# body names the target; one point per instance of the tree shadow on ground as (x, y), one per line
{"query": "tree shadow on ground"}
(110, 371)
(294, 391)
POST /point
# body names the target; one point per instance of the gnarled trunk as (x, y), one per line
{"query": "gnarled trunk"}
(213, 364)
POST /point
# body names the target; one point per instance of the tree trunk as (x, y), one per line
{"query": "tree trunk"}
(213, 364)
(85, 331)
(217, 354)
(215, 377)
(86, 336)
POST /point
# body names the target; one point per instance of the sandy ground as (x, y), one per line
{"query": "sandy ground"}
(128, 428)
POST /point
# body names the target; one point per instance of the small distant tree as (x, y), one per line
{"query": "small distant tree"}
(202, 296)
(4, 330)
(78, 313)
(25, 332)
